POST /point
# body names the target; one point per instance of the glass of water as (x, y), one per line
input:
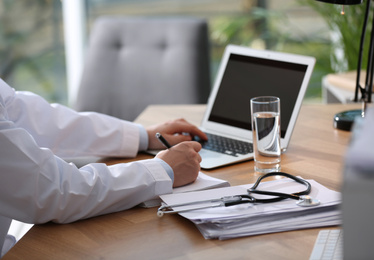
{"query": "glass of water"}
(265, 115)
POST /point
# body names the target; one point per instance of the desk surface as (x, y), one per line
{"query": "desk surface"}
(316, 152)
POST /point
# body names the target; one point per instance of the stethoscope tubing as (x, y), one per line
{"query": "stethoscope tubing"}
(280, 196)
(247, 198)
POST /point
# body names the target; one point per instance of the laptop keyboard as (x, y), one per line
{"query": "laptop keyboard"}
(225, 145)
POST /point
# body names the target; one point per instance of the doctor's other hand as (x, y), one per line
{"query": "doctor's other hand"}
(174, 131)
(184, 159)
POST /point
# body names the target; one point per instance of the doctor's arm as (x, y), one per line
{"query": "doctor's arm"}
(69, 133)
(37, 187)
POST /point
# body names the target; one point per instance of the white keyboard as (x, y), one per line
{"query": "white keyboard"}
(328, 245)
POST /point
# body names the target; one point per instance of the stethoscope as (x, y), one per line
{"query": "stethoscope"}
(302, 197)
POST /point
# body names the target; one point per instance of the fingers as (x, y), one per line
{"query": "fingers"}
(182, 126)
(191, 153)
(179, 138)
(185, 130)
(195, 145)
(175, 131)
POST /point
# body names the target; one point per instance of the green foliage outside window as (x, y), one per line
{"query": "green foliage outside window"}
(260, 28)
(32, 51)
(347, 30)
(31, 47)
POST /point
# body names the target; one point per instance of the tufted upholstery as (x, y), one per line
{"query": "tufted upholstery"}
(136, 61)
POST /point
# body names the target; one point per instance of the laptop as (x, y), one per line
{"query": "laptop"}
(245, 73)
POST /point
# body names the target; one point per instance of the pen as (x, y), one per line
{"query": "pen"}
(163, 140)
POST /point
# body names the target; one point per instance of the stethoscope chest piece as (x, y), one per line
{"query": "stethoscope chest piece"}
(307, 201)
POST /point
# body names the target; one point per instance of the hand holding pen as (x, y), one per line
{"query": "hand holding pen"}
(184, 159)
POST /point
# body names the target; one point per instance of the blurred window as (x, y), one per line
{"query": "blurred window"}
(32, 47)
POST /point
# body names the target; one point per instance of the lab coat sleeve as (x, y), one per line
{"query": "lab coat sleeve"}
(69, 133)
(36, 186)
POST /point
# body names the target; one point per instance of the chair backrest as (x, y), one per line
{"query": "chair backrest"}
(133, 62)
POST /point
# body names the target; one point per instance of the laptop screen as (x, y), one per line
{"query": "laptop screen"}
(246, 77)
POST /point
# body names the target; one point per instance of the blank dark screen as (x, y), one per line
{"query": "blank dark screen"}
(246, 77)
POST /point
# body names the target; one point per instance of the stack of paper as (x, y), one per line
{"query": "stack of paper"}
(202, 182)
(252, 219)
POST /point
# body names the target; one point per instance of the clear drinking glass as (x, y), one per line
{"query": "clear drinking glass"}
(265, 115)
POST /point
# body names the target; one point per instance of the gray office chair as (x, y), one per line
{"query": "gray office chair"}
(136, 61)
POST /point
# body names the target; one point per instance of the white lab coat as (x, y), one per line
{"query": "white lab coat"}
(37, 186)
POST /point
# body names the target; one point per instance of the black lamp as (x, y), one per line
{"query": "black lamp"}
(344, 120)
(342, 2)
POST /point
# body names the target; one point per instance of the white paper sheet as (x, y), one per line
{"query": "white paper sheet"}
(248, 219)
(202, 182)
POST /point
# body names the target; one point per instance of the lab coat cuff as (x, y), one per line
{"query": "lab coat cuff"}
(167, 168)
(164, 183)
(143, 138)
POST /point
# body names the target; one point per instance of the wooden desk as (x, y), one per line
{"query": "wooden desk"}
(316, 151)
